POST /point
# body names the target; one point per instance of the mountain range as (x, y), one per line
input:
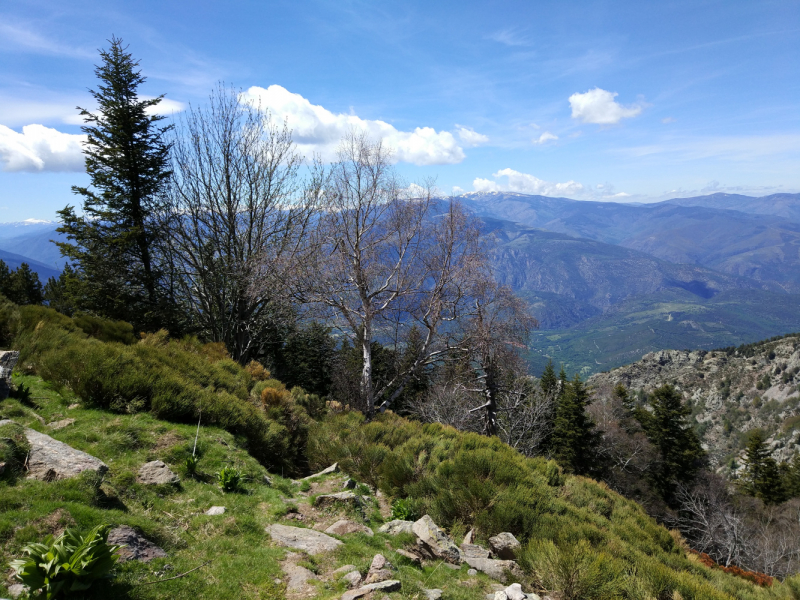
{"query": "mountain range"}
(610, 281)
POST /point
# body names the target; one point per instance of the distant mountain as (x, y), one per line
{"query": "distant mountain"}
(15, 260)
(32, 239)
(778, 205)
(762, 247)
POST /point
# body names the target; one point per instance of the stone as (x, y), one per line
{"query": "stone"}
(215, 511)
(349, 498)
(379, 570)
(268, 480)
(50, 459)
(17, 589)
(433, 594)
(345, 526)
(496, 569)
(353, 579)
(505, 546)
(378, 562)
(345, 569)
(73, 406)
(349, 484)
(392, 585)
(155, 473)
(500, 596)
(297, 579)
(472, 572)
(514, 592)
(56, 425)
(469, 538)
(308, 540)
(8, 360)
(334, 468)
(136, 546)
(435, 542)
(410, 556)
(473, 551)
(397, 526)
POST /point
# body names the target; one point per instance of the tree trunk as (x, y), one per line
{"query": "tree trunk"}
(366, 372)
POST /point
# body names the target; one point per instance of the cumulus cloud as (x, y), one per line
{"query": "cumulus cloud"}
(598, 106)
(545, 137)
(526, 184)
(316, 130)
(40, 148)
(469, 137)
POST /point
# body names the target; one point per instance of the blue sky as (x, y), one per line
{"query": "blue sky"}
(630, 101)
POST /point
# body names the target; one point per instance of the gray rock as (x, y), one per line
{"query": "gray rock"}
(215, 511)
(297, 579)
(8, 360)
(436, 542)
(345, 569)
(397, 526)
(472, 572)
(334, 468)
(349, 484)
(347, 498)
(499, 596)
(50, 459)
(308, 540)
(56, 425)
(412, 557)
(268, 480)
(469, 538)
(16, 590)
(136, 546)
(496, 569)
(514, 592)
(379, 570)
(433, 594)
(473, 551)
(156, 472)
(345, 526)
(505, 546)
(392, 585)
(353, 579)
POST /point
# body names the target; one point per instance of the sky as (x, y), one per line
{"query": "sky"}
(621, 101)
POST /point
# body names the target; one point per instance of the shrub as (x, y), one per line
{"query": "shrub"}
(404, 509)
(191, 464)
(257, 371)
(229, 479)
(69, 563)
(14, 448)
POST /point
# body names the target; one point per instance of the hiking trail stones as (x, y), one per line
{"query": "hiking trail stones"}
(346, 498)
(434, 542)
(504, 546)
(397, 526)
(156, 472)
(345, 526)
(308, 540)
(135, 545)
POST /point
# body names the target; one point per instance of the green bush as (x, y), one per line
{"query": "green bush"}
(14, 448)
(404, 509)
(70, 563)
(229, 479)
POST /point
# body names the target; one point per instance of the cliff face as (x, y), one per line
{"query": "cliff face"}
(731, 392)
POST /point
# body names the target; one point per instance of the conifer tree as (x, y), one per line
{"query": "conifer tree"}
(22, 285)
(548, 381)
(762, 475)
(574, 438)
(113, 242)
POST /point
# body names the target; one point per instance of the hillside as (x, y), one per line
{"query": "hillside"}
(779, 205)
(731, 391)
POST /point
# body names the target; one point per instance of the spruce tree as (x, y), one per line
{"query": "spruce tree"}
(548, 381)
(22, 285)
(668, 429)
(762, 477)
(574, 438)
(113, 242)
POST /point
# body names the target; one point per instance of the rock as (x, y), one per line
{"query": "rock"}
(349, 484)
(56, 425)
(50, 459)
(345, 569)
(498, 596)
(215, 511)
(379, 570)
(379, 562)
(136, 546)
(349, 498)
(8, 360)
(268, 480)
(505, 546)
(473, 551)
(156, 472)
(472, 572)
(73, 406)
(397, 526)
(345, 526)
(468, 539)
(313, 542)
(410, 556)
(16, 590)
(334, 468)
(436, 542)
(514, 592)
(392, 585)
(297, 579)
(353, 579)
(433, 594)
(496, 569)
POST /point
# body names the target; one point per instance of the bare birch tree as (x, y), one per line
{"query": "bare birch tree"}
(239, 218)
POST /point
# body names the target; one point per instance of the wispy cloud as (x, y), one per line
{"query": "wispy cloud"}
(545, 137)
(17, 37)
(509, 37)
(735, 148)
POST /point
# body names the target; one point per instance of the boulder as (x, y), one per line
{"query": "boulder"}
(473, 551)
(345, 526)
(50, 459)
(347, 498)
(334, 468)
(514, 592)
(392, 585)
(433, 594)
(505, 546)
(8, 360)
(379, 570)
(135, 546)
(156, 472)
(308, 540)
(469, 538)
(349, 484)
(345, 569)
(496, 569)
(434, 542)
(297, 580)
(397, 526)
(215, 511)
(353, 579)
(409, 555)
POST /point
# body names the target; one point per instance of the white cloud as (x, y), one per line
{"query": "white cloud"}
(40, 148)
(527, 184)
(167, 107)
(20, 38)
(317, 130)
(457, 191)
(598, 106)
(545, 137)
(471, 138)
